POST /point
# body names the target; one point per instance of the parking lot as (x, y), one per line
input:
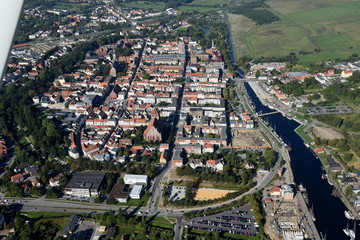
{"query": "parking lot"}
(89, 228)
(177, 193)
(237, 220)
(341, 109)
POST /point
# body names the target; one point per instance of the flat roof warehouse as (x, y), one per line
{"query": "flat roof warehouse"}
(86, 180)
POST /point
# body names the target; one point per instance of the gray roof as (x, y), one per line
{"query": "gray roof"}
(86, 180)
(71, 225)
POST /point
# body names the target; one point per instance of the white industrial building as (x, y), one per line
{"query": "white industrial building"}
(293, 235)
(136, 192)
(134, 179)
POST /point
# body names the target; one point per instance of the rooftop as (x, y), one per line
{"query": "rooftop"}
(86, 180)
(119, 191)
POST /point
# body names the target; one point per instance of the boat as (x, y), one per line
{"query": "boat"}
(329, 181)
(306, 145)
(349, 215)
(323, 176)
(311, 210)
(346, 230)
(302, 188)
(306, 198)
(352, 232)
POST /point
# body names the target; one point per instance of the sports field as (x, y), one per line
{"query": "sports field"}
(203, 194)
(329, 25)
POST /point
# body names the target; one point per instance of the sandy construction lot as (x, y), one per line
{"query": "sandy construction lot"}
(326, 133)
(210, 193)
(249, 139)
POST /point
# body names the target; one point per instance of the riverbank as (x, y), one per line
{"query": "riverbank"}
(309, 225)
(270, 101)
(307, 170)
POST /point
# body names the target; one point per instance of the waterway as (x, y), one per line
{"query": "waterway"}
(328, 210)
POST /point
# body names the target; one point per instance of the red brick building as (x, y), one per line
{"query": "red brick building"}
(154, 131)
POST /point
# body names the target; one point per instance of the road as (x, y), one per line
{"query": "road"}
(158, 183)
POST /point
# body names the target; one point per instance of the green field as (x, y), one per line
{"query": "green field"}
(76, 7)
(146, 5)
(300, 131)
(329, 25)
(209, 2)
(196, 8)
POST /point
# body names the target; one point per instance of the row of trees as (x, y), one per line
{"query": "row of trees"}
(141, 227)
(257, 12)
(296, 88)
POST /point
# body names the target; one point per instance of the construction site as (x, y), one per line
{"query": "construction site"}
(288, 214)
(248, 139)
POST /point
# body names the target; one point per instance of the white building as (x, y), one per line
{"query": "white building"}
(293, 235)
(136, 192)
(133, 179)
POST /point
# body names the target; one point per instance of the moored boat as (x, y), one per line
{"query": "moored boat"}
(349, 215)
(302, 188)
(346, 230)
(311, 210)
(329, 181)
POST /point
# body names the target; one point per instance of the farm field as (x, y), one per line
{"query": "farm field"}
(328, 25)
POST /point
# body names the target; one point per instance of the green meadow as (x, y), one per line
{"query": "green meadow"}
(331, 26)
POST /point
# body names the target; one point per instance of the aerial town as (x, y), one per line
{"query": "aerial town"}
(140, 120)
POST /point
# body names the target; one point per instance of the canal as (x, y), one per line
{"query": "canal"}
(328, 210)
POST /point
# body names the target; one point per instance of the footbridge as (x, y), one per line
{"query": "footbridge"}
(266, 114)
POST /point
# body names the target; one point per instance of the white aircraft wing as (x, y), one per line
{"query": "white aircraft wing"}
(10, 11)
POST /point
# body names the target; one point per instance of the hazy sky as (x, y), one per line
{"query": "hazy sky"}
(9, 15)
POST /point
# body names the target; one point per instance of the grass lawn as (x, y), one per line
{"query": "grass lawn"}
(146, 5)
(209, 2)
(77, 7)
(196, 8)
(300, 131)
(138, 202)
(162, 222)
(55, 217)
(47, 214)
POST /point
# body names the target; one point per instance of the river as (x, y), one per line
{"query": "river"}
(329, 211)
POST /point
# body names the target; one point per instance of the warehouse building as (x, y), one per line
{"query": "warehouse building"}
(85, 184)
(134, 179)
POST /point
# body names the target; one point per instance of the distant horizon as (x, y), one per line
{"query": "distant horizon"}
(9, 16)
